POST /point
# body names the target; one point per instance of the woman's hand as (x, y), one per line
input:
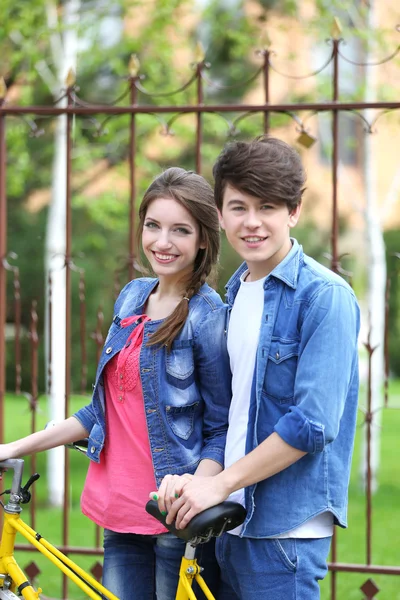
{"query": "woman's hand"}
(169, 491)
(5, 452)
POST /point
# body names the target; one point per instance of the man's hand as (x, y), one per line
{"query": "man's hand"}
(197, 494)
(170, 489)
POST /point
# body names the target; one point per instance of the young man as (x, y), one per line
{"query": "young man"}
(292, 340)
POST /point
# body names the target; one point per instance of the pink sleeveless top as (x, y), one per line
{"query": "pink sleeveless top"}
(117, 489)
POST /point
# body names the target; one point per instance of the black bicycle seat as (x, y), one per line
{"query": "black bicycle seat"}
(212, 522)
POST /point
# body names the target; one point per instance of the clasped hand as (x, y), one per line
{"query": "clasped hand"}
(181, 497)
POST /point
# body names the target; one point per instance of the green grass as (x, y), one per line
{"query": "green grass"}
(351, 542)
(351, 546)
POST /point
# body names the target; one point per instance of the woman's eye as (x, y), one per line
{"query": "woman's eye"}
(150, 225)
(182, 230)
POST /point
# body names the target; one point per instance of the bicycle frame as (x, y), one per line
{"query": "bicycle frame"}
(12, 578)
(188, 572)
(207, 524)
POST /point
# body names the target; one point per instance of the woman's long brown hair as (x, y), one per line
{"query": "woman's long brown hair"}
(195, 194)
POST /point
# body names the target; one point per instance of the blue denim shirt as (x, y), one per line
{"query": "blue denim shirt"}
(305, 388)
(186, 391)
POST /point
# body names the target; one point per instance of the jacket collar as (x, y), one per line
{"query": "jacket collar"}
(147, 286)
(287, 271)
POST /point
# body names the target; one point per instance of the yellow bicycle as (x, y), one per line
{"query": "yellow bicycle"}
(210, 523)
(14, 583)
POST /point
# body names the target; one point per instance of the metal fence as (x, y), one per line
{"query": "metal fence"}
(140, 103)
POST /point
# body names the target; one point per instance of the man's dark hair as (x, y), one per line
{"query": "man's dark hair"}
(266, 168)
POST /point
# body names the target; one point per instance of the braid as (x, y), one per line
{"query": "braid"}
(172, 325)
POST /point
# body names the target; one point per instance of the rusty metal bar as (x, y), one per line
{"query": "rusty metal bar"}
(386, 342)
(335, 159)
(266, 55)
(132, 178)
(17, 330)
(334, 230)
(333, 559)
(68, 243)
(17, 321)
(97, 335)
(205, 108)
(34, 343)
(3, 273)
(200, 99)
(368, 422)
(354, 568)
(82, 316)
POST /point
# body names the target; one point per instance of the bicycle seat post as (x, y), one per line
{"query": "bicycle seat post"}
(190, 551)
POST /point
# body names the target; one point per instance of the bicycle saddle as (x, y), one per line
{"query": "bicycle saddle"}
(207, 524)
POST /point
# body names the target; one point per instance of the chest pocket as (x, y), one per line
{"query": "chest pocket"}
(180, 364)
(281, 369)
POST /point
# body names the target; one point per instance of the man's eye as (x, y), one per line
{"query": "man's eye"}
(238, 208)
(267, 207)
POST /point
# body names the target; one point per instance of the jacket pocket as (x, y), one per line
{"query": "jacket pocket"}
(181, 419)
(281, 369)
(180, 364)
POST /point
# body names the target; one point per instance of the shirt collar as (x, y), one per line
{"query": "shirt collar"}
(287, 270)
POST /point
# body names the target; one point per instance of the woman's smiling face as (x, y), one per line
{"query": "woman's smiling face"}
(170, 239)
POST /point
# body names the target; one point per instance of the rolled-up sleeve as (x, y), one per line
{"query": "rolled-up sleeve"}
(327, 368)
(213, 377)
(86, 417)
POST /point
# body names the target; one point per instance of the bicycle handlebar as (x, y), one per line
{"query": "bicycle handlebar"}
(17, 464)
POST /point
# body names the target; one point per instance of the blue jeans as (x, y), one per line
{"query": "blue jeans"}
(271, 569)
(146, 567)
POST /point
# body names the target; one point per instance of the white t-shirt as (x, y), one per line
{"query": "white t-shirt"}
(243, 335)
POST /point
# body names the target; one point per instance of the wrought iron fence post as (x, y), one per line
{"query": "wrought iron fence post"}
(3, 253)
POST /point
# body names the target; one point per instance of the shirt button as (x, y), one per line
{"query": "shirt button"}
(109, 350)
(121, 376)
(120, 398)
(277, 356)
(93, 449)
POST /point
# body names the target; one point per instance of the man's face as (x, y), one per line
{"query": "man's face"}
(257, 230)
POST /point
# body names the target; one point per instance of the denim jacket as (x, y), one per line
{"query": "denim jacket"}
(305, 388)
(186, 391)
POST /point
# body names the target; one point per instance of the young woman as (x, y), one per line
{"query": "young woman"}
(162, 391)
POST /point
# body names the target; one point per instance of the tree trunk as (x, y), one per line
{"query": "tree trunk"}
(56, 248)
(376, 261)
